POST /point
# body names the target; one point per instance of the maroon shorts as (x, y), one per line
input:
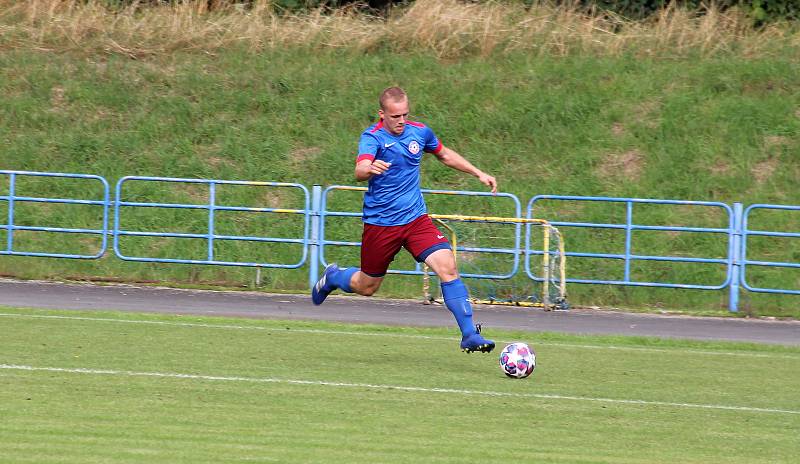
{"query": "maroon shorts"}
(380, 244)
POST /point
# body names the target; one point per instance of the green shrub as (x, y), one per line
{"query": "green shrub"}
(761, 10)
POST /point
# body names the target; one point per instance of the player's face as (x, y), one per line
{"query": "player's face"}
(395, 116)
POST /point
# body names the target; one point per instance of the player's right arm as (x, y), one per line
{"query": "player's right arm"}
(366, 168)
(367, 165)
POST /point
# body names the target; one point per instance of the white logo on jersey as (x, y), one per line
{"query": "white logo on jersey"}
(387, 145)
(413, 147)
(440, 236)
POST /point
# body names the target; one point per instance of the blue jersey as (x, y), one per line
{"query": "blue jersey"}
(394, 197)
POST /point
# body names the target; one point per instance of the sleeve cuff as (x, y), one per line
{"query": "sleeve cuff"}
(365, 156)
(438, 148)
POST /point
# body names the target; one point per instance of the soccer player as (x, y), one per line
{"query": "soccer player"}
(395, 215)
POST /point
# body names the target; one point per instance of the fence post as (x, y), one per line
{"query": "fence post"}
(736, 270)
(316, 204)
(10, 225)
(212, 202)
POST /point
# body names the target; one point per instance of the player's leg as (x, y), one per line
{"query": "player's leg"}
(427, 244)
(379, 245)
(365, 284)
(332, 278)
(456, 298)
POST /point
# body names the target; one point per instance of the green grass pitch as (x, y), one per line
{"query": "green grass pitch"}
(107, 387)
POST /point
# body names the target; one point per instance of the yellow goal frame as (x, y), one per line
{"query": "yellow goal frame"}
(547, 228)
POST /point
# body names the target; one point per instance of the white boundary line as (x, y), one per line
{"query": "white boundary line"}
(381, 334)
(172, 375)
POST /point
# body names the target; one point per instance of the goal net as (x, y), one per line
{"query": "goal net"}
(491, 258)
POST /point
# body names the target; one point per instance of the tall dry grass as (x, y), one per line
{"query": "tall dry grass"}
(448, 28)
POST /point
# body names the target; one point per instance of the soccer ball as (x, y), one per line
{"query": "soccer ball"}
(517, 360)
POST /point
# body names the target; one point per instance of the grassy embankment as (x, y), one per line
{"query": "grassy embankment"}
(548, 100)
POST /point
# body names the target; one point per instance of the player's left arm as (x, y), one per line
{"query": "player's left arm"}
(452, 159)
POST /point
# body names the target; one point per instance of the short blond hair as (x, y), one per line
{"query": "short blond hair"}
(391, 93)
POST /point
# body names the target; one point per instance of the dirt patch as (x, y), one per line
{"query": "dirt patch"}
(618, 129)
(216, 161)
(776, 141)
(648, 113)
(721, 167)
(211, 155)
(764, 170)
(629, 165)
(277, 197)
(196, 193)
(763, 87)
(57, 98)
(161, 68)
(301, 155)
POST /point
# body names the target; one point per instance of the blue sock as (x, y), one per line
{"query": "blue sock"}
(341, 279)
(455, 298)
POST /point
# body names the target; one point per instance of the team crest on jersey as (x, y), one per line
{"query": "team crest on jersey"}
(413, 147)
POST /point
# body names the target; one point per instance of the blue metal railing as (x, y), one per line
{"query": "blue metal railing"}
(629, 226)
(738, 227)
(747, 232)
(11, 219)
(211, 236)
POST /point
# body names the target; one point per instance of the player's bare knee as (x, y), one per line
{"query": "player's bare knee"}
(370, 288)
(366, 285)
(369, 291)
(447, 273)
(443, 264)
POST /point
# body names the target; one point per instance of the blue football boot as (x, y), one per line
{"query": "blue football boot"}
(476, 342)
(324, 286)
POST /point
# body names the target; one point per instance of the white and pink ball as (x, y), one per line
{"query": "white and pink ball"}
(517, 360)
